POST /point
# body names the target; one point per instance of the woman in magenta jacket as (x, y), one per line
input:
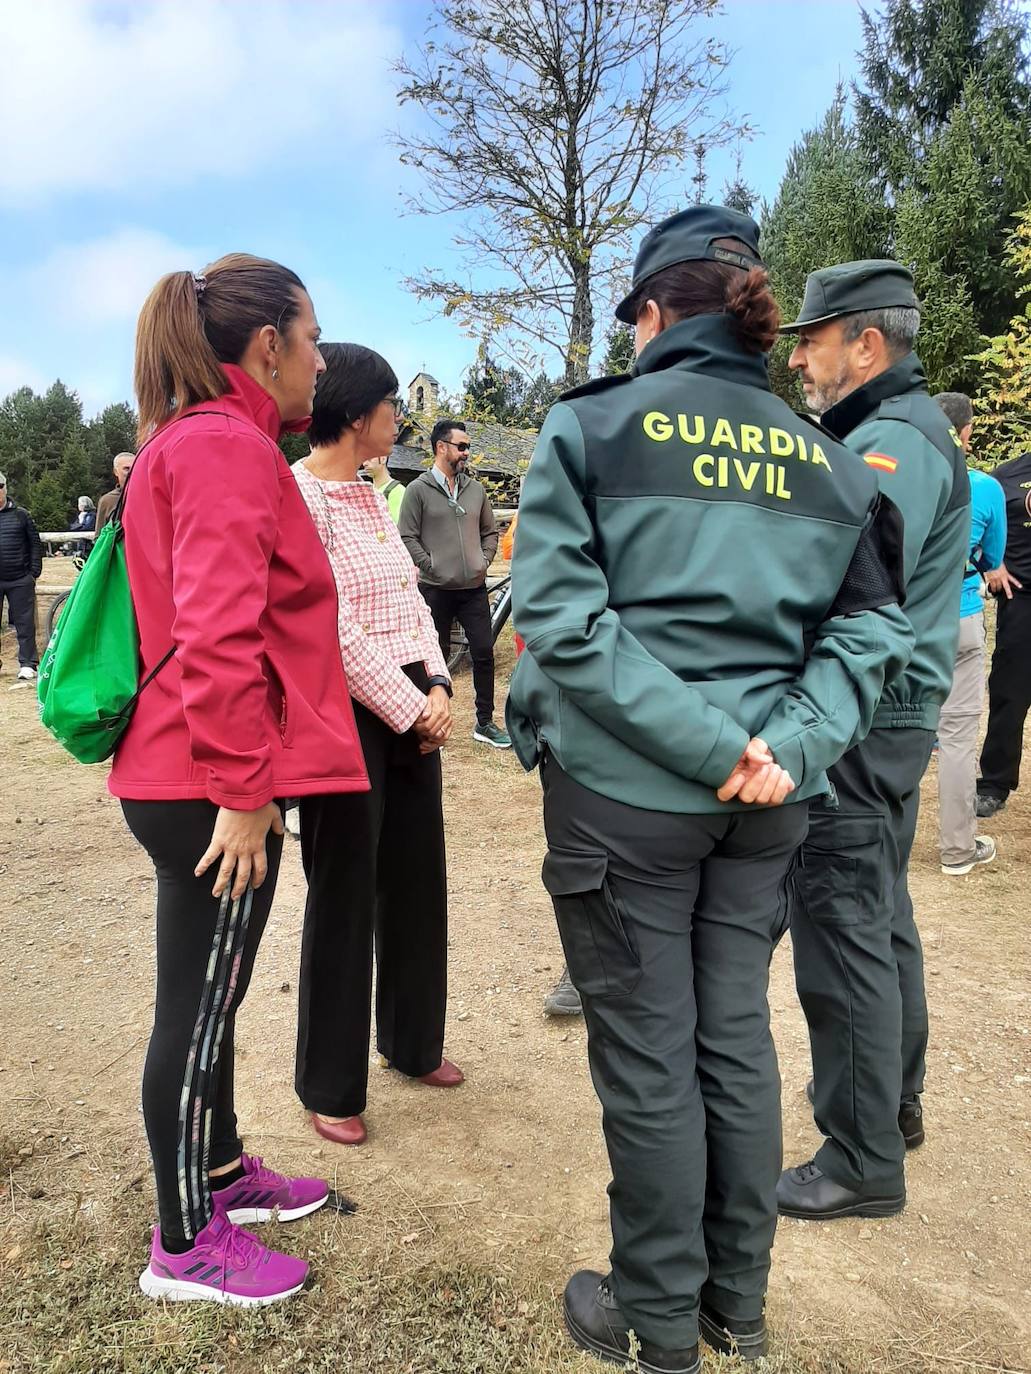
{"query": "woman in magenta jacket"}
(227, 570)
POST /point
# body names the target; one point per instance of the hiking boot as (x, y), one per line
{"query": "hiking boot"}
(594, 1321)
(986, 805)
(225, 1265)
(731, 1336)
(984, 853)
(492, 735)
(807, 1193)
(262, 1194)
(563, 999)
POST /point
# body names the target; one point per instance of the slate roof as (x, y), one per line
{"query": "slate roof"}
(494, 448)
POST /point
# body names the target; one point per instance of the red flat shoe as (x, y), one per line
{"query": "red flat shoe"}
(350, 1131)
(447, 1076)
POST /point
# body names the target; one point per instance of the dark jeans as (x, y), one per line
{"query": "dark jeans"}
(205, 957)
(668, 923)
(471, 608)
(858, 959)
(1009, 698)
(375, 868)
(21, 612)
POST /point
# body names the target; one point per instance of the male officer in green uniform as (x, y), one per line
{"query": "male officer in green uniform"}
(671, 710)
(858, 961)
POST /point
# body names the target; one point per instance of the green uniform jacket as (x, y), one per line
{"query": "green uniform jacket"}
(906, 439)
(682, 538)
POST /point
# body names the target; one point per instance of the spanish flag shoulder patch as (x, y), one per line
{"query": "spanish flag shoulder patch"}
(881, 461)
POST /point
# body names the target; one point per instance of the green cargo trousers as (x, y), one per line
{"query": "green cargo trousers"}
(858, 959)
(668, 923)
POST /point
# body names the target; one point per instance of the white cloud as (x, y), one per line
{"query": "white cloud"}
(107, 279)
(99, 97)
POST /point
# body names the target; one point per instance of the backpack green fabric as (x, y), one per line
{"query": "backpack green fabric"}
(89, 674)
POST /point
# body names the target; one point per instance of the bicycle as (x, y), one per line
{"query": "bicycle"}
(57, 604)
(499, 595)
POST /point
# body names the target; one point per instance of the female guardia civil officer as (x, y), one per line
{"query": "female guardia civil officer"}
(705, 582)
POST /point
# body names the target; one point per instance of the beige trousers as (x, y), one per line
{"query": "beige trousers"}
(957, 745)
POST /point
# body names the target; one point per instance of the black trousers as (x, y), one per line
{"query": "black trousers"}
(205, 957)
(471, 608)
(858, 959)
(21, 612)
(668, 923)
(376, 874)
(1009, 698)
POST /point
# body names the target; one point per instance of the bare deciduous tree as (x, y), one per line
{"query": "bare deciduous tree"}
(551, 130)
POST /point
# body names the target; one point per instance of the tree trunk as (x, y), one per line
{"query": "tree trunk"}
(581, 328)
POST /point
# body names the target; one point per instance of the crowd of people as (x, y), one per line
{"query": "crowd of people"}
(728, 747)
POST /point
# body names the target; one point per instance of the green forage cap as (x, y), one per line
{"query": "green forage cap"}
(690, 236)
(876, 284)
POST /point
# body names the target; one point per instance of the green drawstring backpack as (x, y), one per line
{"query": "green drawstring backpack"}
(89, 674)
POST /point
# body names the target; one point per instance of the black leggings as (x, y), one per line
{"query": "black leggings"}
(205, 956)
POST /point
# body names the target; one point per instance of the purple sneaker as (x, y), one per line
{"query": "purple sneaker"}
(225, 1265)
(262, 1193)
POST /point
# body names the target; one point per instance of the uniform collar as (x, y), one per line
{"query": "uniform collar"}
(907, 375)
(703, 343)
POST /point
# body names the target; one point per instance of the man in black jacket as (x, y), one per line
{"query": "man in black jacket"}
(21, 562)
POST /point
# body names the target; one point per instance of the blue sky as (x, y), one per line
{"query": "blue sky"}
(138, 139)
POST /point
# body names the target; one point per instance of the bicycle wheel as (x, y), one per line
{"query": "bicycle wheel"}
(54, 612)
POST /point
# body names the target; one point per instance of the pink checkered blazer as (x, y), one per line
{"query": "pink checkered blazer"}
(383, 621)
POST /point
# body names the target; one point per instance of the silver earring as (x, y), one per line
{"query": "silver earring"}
(275, 374)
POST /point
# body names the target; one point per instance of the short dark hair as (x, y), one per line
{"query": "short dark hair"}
(442, 430)
(354, 383)
(957, 407)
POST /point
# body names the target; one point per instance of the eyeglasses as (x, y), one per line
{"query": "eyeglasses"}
(397, 404)
(462, 448)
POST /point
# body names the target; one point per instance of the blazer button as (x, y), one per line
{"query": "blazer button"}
(381, 535)
(404, 582)
(415, 634)
(366, 627)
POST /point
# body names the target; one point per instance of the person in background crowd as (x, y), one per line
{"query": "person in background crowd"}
(21, 562)
(858, 960)
(86, 520)
(1009, 683)
(389, 488)
(681, 725)
(374, 862)
(225, 566)
(121, 467)
(961, 846)
(449, 529)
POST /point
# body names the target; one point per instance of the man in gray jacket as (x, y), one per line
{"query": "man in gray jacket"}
(448, 527)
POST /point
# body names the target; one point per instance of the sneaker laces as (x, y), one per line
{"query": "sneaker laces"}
(262, 1174)
(239, 1249)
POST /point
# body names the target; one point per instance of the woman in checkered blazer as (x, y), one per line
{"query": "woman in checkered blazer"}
(358, 891)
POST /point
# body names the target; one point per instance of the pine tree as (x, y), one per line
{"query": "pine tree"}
(1002, 409)
(825, 211)
(619, 350)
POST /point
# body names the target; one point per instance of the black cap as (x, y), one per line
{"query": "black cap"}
(689, 236)
(875, 284)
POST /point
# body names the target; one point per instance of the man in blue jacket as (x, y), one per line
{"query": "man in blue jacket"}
(961, 847)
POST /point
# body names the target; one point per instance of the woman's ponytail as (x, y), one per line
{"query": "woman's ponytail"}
(175, 364)
(750, 303)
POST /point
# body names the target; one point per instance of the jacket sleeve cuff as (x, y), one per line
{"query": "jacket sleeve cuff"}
(722, 757)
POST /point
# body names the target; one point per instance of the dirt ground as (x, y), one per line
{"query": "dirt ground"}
(474, 1206)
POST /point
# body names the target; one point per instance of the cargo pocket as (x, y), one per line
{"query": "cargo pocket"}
(842, 877)
(602, 961)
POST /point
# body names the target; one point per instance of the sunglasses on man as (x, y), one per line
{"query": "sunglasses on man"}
(462, 448)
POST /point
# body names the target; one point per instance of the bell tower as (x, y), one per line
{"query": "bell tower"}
(423, 394)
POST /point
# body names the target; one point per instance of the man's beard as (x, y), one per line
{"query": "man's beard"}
(821, 398)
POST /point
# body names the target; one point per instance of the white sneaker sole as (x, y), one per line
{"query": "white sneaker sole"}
(247, 1216)
(961, 870)
(493, 743)
(179, 1290)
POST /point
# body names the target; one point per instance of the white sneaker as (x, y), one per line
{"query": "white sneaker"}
(26, 674)
(984, 853)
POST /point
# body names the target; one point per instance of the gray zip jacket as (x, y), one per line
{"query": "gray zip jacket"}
(452, 540)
